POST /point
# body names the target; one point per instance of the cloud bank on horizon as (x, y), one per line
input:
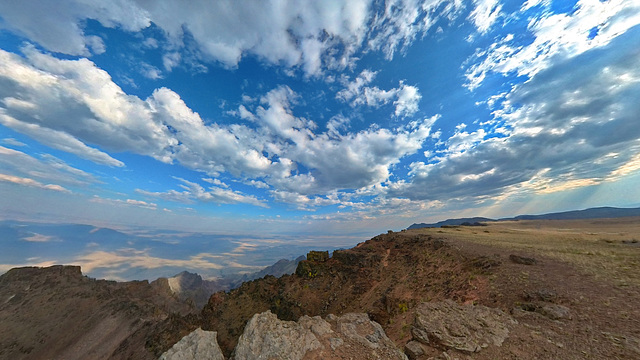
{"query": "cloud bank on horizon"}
(343, 116)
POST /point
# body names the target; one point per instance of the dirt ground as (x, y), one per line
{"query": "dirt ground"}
(588, 267)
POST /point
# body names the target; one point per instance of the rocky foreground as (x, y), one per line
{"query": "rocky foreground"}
(514, 291)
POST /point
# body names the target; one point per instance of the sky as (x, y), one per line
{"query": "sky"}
(329, 118)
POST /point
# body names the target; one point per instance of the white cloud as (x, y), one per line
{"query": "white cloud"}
(572, 126)
(216, 182)
(408, 99)
(127, 202)
(13, 142)
(74, 101)
(402, 21)
(610, 18)
(356, 92)
(46, 169)
(58, 25)
(214, 194)
(484, 14)
(258, 184)
(171, 60)
(310, 36)
(31, 183)
(150, 71)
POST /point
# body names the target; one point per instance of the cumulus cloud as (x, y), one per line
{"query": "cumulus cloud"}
(356, 93)
(58, 26)
(74, 100)
(573, 125)
(310, 36)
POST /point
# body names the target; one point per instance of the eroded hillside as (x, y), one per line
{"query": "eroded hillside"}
(57, 313)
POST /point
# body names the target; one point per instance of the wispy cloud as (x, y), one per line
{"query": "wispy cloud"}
(32, 183)
(127, 202)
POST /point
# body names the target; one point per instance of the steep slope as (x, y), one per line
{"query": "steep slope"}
(57, 313)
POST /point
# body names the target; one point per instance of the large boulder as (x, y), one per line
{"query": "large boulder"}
(466, 328)
(345, 337)
(199, 344)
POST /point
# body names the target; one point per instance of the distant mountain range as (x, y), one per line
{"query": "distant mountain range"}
(592, 213)
(191, 286)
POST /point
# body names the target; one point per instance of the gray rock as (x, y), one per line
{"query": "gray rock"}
(199, 344)
(267, 337)
(344, 337)
(413, 349)
(335, 343)
(555, 312)
(462, 327)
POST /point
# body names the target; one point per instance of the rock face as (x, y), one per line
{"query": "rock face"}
(188, 286)
(192, 288)
(462, 327)
(199, 344)
(349, 336)
(57, 313)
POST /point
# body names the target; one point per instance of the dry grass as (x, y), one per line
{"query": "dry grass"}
(608, 249)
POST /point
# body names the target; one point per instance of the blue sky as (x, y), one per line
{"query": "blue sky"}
(328, 118)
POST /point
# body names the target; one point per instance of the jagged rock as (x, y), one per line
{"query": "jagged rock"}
(413, 349)
(199, 344)
(266, 337)
(462, 327)
(348, 336)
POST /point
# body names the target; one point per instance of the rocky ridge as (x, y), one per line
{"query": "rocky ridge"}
(56, 312)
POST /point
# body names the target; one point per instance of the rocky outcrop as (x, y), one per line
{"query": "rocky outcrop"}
(465, 328)
(318, 256)
(385, 276)
(199, 344)
(190, 287)
(349, 336)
